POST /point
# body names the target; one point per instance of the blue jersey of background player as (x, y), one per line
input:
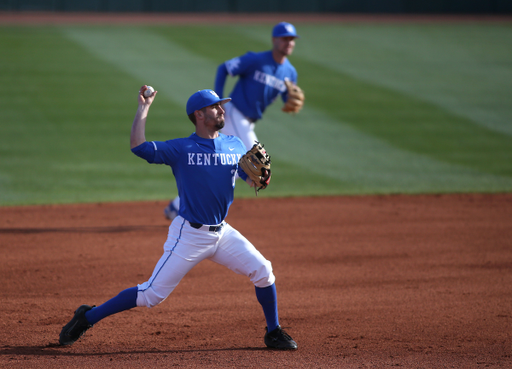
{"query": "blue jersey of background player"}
(260, 81)
(205, 166)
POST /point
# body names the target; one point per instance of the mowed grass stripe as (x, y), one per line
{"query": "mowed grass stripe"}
(172, 70)
(408, 123)
(65, 130)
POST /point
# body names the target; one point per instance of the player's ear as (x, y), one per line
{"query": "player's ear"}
(197, 115)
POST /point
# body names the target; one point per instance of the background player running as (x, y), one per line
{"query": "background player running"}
(205, 166)
(261, 79)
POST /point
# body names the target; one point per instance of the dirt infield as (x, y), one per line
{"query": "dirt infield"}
(363, 282)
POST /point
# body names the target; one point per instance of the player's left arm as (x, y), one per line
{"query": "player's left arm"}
(250, 182)
(242, 150)
(245, 177)
(293, 97)
(255, 163)
(292, 78)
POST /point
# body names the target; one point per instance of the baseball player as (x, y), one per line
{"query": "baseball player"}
(205, 166)
(262, 77)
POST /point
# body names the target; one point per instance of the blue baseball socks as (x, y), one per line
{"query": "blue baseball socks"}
(126, 299)
(267, 297)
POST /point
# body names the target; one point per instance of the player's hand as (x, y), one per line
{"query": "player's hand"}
(250, 182)
(146, 100)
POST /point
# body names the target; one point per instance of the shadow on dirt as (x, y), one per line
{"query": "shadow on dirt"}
(54, 349)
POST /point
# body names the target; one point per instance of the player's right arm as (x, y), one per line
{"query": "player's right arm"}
(137, 135)
(232, 67)
(220, 79)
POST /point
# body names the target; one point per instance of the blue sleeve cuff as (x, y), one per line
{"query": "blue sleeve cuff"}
(146, 151)
(242, 174)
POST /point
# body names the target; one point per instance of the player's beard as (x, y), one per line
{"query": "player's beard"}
(220, 124)
(218, 121)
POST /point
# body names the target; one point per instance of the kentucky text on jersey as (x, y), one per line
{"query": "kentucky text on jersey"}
(261, 80)
(269, 80)
(213, 159)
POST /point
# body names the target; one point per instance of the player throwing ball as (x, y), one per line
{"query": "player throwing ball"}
(205, 166)
(262, 77)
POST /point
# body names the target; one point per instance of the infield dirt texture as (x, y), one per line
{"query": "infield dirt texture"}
(411, 281)
(363, 282)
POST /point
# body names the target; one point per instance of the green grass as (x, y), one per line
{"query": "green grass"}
(391, 108)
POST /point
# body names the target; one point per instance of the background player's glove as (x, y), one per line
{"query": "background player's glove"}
(295, 98)
(256, 164)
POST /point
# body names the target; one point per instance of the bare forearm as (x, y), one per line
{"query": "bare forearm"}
(137, 135)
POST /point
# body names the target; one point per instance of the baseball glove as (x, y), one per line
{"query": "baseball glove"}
(256, 164)
(295, 98)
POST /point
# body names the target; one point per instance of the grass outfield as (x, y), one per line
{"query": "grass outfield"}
(391, 108)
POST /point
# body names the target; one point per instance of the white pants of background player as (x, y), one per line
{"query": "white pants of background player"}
(235, 124)
(186, 247)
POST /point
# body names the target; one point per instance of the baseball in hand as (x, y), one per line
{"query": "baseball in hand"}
(149, 91)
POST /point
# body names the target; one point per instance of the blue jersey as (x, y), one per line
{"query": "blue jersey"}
(260, 81)
(205, 172)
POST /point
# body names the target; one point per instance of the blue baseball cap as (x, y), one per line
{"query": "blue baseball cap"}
(202, 99)
(284, 29)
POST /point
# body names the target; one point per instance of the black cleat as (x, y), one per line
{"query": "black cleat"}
(76, 327)
(279, 339)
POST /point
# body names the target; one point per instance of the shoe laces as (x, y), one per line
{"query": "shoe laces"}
(285, 335)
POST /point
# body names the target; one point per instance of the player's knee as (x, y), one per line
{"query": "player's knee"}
(149, 298)
(263, 276)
